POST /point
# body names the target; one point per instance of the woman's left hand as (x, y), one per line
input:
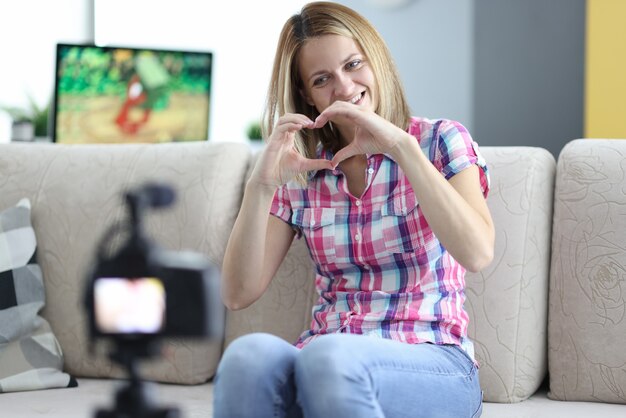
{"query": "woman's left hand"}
(372, 133)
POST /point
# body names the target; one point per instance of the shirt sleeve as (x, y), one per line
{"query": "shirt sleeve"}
(282, 209)
(281, 206)
(455, 150)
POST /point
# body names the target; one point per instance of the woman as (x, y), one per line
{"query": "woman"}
(393, 211)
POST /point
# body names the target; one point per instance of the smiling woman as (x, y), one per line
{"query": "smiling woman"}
(392, 208)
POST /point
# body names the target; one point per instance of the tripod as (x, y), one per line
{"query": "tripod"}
(133, 400)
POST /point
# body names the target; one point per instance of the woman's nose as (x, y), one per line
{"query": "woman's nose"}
(344, 86)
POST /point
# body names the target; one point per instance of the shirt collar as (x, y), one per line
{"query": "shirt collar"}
(326, 154)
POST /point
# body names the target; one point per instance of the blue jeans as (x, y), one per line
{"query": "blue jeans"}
(344, 375)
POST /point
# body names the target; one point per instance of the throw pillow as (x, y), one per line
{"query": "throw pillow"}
(30, 355)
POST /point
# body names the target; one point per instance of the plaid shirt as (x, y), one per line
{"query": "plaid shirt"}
(380, 270)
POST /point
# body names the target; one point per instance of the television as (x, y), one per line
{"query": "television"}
(115, 94)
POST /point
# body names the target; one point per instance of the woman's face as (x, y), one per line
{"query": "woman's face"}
(332, 67)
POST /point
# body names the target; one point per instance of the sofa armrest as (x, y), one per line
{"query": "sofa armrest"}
(587, 323)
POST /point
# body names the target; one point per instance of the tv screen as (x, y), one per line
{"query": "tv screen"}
(127, 95)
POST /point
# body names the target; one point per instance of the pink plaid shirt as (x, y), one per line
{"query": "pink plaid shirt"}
(380, 270)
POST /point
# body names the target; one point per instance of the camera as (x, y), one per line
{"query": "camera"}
(140, 293)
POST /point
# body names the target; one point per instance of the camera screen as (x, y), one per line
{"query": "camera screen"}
(129, 305)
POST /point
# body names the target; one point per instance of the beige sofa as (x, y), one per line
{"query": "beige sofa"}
(552, 300)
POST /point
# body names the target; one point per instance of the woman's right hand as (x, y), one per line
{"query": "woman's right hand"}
(280, 160)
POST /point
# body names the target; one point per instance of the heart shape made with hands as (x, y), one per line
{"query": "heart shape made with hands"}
(365, 131)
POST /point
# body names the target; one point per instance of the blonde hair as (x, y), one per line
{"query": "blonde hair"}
(284, 94)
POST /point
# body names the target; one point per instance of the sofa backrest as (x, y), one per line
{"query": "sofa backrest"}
(507, 302)
(75, 193)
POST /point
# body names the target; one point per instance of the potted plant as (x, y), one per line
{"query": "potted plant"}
(255, 137)
(254, 131)
(30, 122)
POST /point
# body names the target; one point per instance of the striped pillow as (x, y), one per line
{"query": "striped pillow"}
(30, 355)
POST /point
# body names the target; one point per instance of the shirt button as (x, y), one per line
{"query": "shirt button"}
(357, 237)
(358, 203)
(370, 170)
(312, 222)
(404, 211)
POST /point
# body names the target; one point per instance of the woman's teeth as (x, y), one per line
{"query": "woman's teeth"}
(356, 98)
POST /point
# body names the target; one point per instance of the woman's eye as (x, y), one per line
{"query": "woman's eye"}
(319, 81)
(354, 64)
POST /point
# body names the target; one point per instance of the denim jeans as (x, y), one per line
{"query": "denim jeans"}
(345, 376)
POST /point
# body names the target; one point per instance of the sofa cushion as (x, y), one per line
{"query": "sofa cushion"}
(587, 323)
(197, 402)
(30, 355)
(507, 301)
(76, 195)
(285, 307)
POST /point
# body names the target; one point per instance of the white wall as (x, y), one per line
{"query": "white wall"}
(29, 31)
